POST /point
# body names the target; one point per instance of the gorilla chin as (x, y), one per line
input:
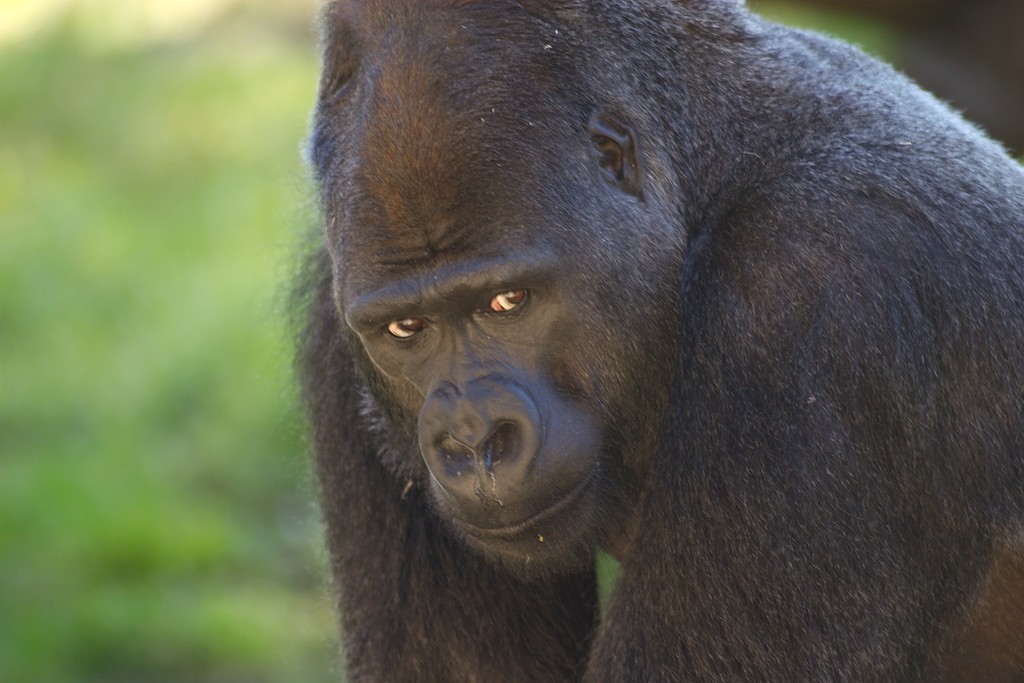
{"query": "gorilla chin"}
(555, 540)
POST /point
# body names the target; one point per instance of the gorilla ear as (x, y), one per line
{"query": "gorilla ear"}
(617, 145)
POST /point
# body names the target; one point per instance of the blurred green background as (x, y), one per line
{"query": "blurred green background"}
(156, 513)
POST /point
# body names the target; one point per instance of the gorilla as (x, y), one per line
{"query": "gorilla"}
(730, 302)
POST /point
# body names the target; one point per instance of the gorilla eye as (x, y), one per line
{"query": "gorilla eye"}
(507, 301)
(407, 327)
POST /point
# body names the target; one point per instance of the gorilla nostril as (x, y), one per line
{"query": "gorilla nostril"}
(455, 453)
(454, 450)
(502, 442)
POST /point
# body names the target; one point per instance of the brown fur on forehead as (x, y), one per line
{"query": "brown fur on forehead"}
(446, 111)
(414, 152)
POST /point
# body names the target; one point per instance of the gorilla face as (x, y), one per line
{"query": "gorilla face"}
(510, 439)
(478, 226)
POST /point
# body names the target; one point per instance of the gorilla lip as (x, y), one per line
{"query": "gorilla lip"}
(518, 528)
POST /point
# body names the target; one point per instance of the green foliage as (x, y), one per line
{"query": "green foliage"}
(156, 522)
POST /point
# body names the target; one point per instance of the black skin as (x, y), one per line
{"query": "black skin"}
(733, 302)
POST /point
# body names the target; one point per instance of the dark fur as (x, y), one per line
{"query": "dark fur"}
(823, 489)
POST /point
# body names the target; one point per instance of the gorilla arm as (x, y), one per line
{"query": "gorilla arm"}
(803, 521)
(417, 605)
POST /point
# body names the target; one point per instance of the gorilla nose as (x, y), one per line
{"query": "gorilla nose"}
(501, 444)
(480, 442)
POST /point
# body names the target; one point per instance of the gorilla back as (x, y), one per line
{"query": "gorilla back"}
(733, 302)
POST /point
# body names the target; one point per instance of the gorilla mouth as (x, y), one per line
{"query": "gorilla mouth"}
(517, 529)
